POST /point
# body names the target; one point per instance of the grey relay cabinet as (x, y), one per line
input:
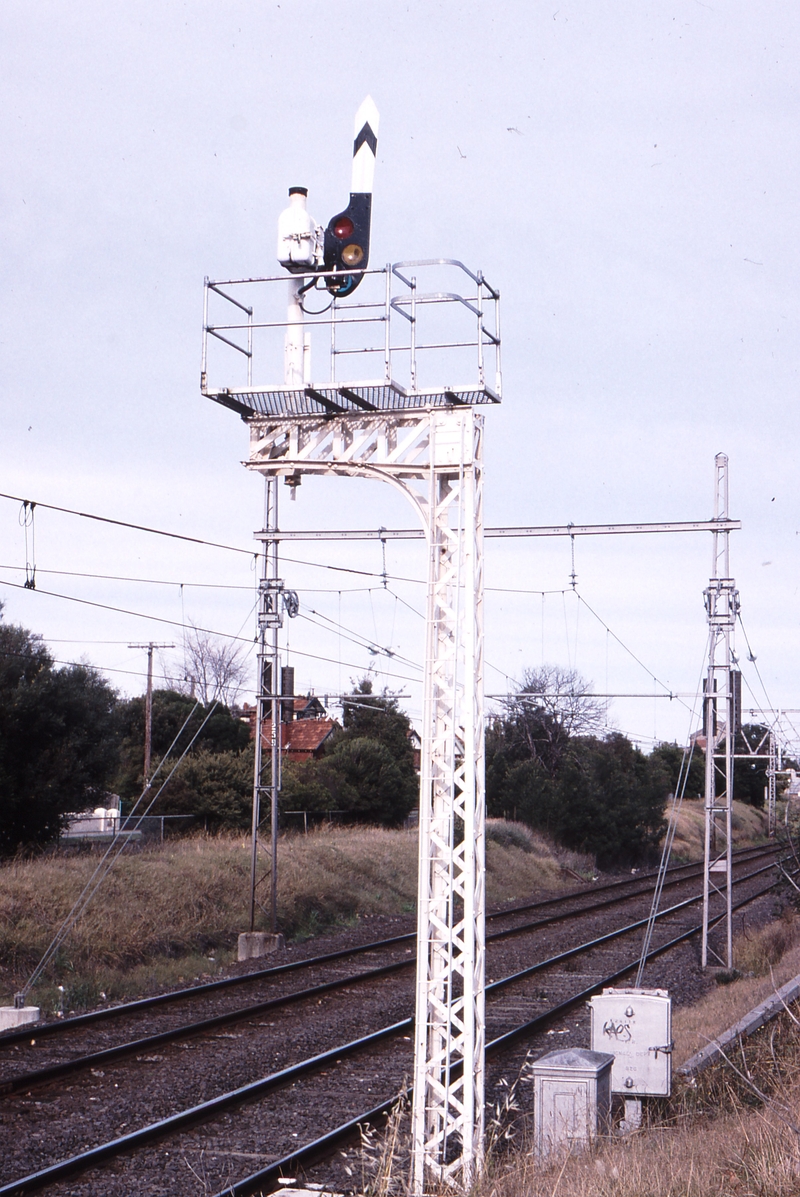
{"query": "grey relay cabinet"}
(572, 1099)
(636, 1025)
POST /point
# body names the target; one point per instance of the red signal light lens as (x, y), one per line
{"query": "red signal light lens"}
(343, 228)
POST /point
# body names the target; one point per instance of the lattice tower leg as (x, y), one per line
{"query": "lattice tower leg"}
(447, 1117)
(434, 457)
(267, 707)
(772, 788)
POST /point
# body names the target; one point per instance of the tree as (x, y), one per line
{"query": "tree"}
(369, 765)
(222, 733)
(57, 742)
(543, 765)
(609, 800)
(215, 787)
(564, 696)
(215, 669)
(377, 717)
(750, 776)
(550, 707)
(303, 787)
(363, 776)
(680, 763)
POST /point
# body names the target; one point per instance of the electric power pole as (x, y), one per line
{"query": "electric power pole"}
(148, 704)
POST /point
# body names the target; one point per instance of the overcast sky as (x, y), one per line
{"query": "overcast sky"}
(626, 174)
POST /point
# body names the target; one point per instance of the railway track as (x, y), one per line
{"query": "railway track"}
(17, 1080)
(569, 904)
(288, 1057)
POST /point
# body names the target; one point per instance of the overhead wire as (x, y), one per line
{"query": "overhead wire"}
(177, 624)
(97, 669)
(355, 637)
(624, 646)
(752, 659)
(70, 573)
(104, 519)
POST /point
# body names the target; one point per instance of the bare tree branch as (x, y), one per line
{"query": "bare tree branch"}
(563, 695)
(215, 670)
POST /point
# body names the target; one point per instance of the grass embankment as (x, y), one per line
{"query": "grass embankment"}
(171, 913)
(748, 824)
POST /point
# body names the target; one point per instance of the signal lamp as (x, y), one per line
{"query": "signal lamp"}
(343, 228)
(352, 255)
(346, 246)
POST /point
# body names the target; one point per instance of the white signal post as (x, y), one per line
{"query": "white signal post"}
(435, 458)
(428, 444)
(298, 247)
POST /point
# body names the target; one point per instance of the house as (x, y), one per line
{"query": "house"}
(416, 744)
(293, 707)
(308, 707)
(301, 739)
(304, 727)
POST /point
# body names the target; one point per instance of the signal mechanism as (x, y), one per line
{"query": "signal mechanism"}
(342, 247)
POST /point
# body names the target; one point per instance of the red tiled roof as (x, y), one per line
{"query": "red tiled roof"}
(301, 737)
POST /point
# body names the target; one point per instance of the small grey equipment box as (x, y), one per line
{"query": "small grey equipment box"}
(636, 1025)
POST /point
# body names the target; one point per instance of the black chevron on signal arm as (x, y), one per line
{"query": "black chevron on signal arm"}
(365, 135)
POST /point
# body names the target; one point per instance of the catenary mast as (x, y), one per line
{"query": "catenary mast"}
(721, 721)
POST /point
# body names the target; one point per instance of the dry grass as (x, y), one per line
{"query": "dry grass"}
(749, 827)
(771, 956)
(173, 912)
(754, 1155)
(735, 1132)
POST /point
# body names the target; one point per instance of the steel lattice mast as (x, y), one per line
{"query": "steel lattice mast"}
(271, 602)
(426, 442)
(720, 720)
(447, 1115)
(434, 458)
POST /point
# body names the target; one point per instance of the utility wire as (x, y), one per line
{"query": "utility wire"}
(71, 573)
(752, 659)
(629, 651)
(90, 668)
(356, 638)
(103, 519)
(176, 623)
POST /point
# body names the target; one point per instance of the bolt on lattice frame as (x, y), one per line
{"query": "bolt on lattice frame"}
(720, 718)
(434, 457)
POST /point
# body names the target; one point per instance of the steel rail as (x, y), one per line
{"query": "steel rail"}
(549, 920)
(41, 1076)
(191, 1117)
(51, 1072)
(206, 1110)
(81, 1020)
(319, 1148)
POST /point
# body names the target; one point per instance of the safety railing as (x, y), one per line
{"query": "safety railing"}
(434, 326)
